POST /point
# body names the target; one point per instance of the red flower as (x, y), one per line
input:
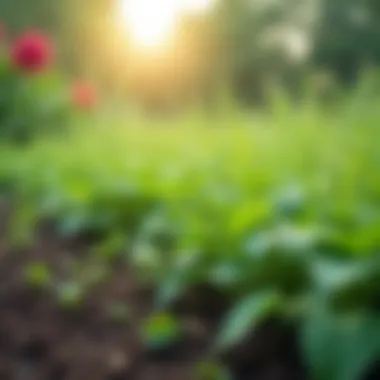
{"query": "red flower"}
(84, 95)
(32, 52)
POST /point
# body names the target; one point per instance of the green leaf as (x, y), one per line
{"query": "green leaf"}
(38, 275)
(111, 247)
(341, 347)
(186, 269)
(331, 275)
(160, 331)
(71, 295)
(245, 316)
(172, 287)
(291, 200)
(73, 223)
(227, 273)
(347, 283)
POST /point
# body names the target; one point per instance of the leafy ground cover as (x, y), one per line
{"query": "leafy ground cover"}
(262, 231)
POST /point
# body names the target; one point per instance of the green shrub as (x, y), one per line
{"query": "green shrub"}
(30, 106)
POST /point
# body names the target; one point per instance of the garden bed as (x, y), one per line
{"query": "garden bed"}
(41, 339)
(242, 247)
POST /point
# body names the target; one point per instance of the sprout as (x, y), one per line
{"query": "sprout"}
(160, 331)
(71, 295)
(38, 275)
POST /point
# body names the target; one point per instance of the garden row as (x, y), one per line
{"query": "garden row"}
(251, 250)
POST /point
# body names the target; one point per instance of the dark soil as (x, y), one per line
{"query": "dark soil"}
(41, 341)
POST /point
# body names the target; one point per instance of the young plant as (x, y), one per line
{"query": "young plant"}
(110, 249)
(71, 295)
(245, 316)
(160, 332)
(38, 276)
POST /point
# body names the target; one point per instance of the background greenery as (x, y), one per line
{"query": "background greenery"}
(246, 44)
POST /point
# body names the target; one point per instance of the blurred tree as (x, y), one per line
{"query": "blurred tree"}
(264, 41)
(347, 37)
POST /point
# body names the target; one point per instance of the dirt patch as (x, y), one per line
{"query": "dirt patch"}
(41, 341)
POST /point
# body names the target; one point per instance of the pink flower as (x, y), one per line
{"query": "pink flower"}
(84, 96)
(32, 52)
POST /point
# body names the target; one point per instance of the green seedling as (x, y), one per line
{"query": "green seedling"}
(160, 332)
(38, 276)
(211, 371)
(71, 295)
(110, 249)
(291, 201)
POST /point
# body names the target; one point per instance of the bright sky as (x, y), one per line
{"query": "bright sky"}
(151, 22)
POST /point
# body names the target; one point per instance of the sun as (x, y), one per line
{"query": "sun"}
(150, 23)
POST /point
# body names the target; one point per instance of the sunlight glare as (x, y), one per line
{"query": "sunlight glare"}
(152, 22)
